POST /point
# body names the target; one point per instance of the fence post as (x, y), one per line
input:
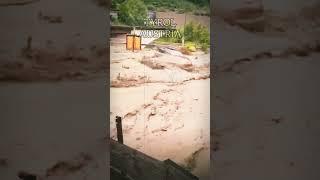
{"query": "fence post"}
(119, 129)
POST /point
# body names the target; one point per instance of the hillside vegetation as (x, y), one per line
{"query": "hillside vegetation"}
(194, 6)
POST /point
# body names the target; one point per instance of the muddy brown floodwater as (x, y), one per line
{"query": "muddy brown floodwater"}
(163, 97)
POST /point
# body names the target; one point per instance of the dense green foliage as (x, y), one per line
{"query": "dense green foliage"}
(171, 5)
(132, 12)
(201, 2)
(115, 4)
(178, 5)
(196, 37)
(197, 34)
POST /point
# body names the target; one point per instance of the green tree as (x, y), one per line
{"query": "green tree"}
(132, 12)
(115, 4)
(197, 34)
(200, 2)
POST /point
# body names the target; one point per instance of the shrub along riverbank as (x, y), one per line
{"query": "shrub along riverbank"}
(195, 35)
